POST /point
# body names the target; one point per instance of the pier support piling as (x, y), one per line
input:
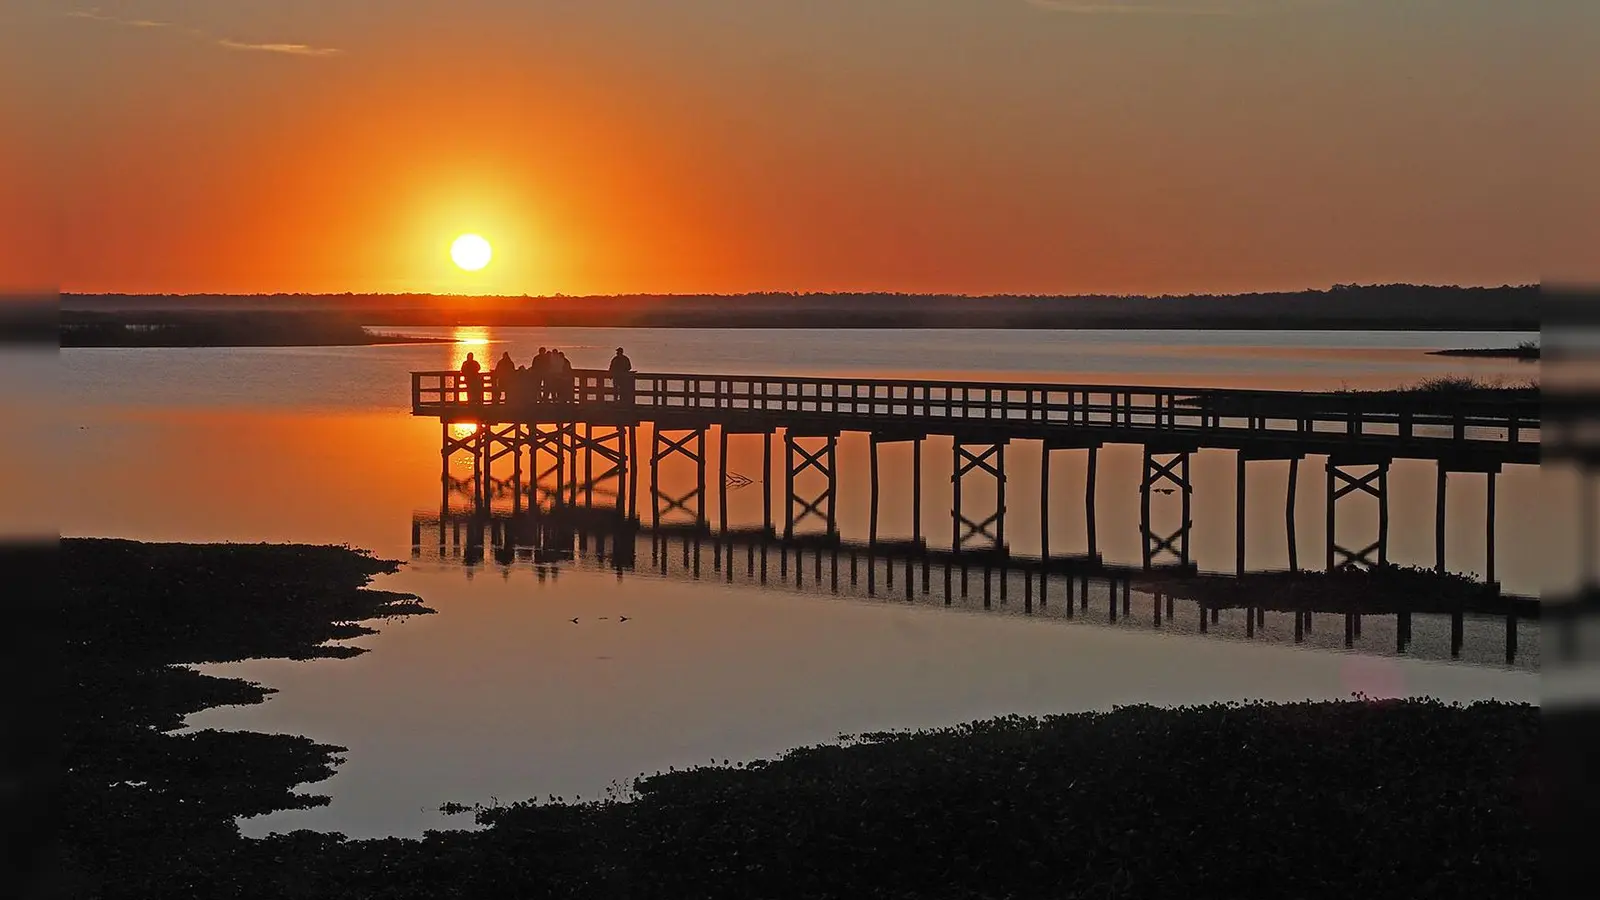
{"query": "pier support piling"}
(766, 481)
(609, 445)
(798, 460)
(990, 460)
(1173, 471)
(692, 502)
(1089, 489)
(1288, 514)
(1441, 491)
(1239, 517)
(1341, 483)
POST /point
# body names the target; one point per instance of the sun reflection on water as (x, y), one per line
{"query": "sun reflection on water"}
(471, 335)
(468, 339)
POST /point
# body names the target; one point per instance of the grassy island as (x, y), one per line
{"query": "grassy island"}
(1527, 351)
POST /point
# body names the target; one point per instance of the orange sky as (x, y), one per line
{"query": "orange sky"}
(725, 145)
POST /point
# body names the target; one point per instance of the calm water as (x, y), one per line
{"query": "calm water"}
(501, 695)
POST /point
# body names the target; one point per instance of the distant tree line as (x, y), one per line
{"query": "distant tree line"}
(1344, 306)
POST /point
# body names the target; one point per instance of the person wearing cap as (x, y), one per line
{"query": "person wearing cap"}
(622, 377)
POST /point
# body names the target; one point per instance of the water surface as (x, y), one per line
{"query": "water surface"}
(502, 695)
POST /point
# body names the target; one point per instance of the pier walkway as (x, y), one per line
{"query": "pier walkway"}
(1464, 432)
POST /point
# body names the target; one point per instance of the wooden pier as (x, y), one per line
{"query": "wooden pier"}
(1359, 435)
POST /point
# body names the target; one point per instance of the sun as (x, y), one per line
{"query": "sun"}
(471, 252)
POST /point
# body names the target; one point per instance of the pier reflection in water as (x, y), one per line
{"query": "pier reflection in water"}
(570, 495)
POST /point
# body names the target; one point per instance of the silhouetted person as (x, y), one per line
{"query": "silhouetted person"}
(472, 373)
(565, 377)
(622, 377)
(504, 373)
(541, 373)
(521, 390)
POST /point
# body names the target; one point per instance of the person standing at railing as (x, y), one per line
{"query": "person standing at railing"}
(622, 378)
(565, 377)
(518, 390)
(539, 371)
(504, 372)
(472, 375)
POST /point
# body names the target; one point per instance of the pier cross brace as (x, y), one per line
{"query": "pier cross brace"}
(990, 460)
(797, 461)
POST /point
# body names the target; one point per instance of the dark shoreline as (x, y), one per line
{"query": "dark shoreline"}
(1141, 802)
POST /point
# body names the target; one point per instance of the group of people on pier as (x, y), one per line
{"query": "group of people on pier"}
(548, 378)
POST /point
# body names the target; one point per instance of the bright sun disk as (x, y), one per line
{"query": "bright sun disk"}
(471, 252)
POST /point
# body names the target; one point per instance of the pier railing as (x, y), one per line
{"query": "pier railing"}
(1472, 419)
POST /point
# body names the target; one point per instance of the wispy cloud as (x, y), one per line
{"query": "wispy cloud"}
(286, 49)
(1173, 7)
(290, 49)
(97, 16)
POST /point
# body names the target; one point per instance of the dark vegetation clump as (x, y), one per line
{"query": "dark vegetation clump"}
(1416, 395)
(135, 795)
(1469, 386)
(1377, 590)
(1358, 799)
(199, 603)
